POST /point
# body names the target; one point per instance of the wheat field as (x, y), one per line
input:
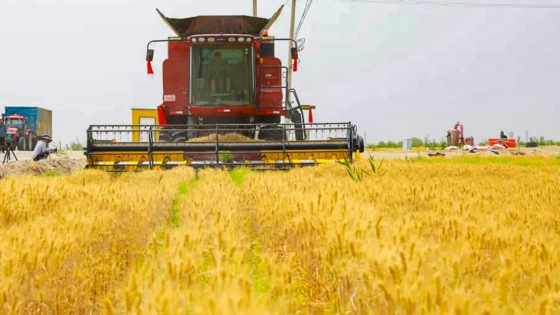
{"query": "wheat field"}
(416, 237)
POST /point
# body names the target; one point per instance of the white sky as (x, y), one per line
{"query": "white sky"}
(393, 70)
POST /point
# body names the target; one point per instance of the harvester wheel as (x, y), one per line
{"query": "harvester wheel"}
(361, 142)
(21, 144)
(180, 138)
(164, 136)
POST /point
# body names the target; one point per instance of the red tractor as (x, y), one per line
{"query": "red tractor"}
(18, 133)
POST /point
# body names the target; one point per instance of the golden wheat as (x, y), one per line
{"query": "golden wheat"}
(66, 242)
(416, 239)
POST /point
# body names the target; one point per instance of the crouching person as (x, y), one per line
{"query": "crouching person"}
(41, 151)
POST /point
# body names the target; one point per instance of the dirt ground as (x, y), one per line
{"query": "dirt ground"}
(400, 154)
(75, 160)
(61, 164)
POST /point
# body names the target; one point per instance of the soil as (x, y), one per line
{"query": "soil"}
(61, 164)
(400, 154)
(55, 164)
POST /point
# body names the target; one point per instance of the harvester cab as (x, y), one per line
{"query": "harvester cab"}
(225, 103)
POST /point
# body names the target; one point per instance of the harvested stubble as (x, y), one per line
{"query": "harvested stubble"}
(421, 239)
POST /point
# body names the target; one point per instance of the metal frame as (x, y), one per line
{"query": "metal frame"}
(284, 154)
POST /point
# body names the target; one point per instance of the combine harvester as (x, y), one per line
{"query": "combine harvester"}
(223, 103)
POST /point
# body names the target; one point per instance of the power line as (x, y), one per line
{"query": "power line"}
(464, 4)
(304, 14)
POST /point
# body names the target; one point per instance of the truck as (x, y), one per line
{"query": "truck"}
(25, 125)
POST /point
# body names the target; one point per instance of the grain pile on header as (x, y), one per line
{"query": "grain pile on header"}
(228, 137)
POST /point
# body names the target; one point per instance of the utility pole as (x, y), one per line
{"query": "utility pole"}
(290, 59)
(255, 8)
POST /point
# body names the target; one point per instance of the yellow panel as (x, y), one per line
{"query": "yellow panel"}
(307, 107)
(137, 113)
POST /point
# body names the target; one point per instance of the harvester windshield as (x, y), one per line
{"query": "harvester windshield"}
(222, 75)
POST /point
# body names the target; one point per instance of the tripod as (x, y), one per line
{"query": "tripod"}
(8, 154)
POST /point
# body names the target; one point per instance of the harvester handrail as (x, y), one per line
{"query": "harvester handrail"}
(222, 127)
(150, 149)
(284, 87)
(293, 91)
(217, 145)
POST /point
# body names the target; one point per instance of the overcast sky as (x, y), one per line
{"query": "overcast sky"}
(393, 70)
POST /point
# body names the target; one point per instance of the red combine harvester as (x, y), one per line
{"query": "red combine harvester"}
(222, 77)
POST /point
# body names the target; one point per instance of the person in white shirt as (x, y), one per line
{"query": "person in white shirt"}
(41, 151)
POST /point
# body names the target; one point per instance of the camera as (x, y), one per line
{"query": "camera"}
(8, 144)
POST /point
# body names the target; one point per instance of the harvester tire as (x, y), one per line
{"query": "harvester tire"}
(273, 133)
(180, 138)
(362, 146)
(21, 144)
(164, 135)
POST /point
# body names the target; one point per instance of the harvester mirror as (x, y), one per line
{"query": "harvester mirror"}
(295, 58)
(150, 55)
(294, 52)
